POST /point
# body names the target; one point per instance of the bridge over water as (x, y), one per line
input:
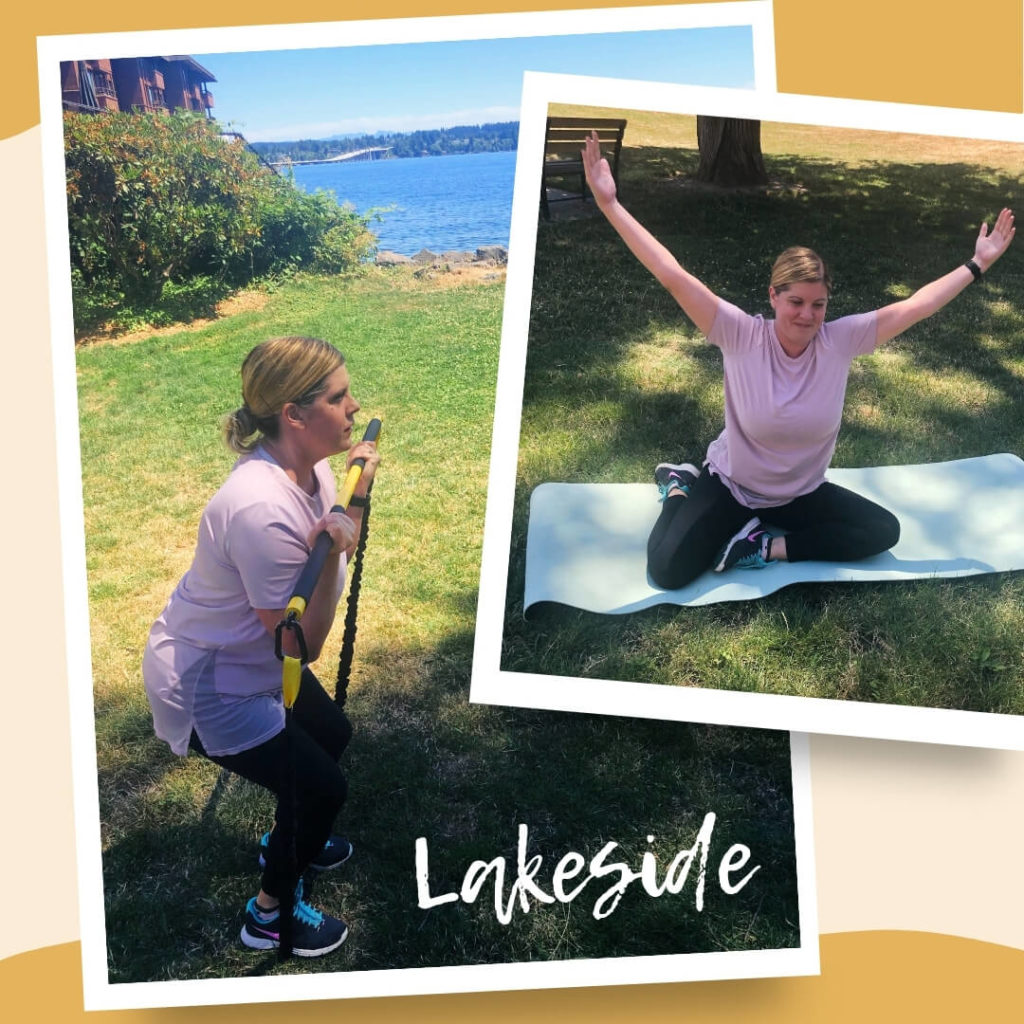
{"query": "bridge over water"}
(371, 153)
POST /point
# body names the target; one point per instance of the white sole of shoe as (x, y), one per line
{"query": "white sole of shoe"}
(321, 952)
(680, 467)
(258, 942)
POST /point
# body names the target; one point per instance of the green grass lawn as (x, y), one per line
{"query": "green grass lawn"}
(179, 838)
(618, 380)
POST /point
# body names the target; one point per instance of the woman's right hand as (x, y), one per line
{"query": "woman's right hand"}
(341, 529)
(599, 174)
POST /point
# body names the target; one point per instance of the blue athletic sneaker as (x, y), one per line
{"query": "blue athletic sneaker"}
(746, 549)
(336, 851)
(314, 933)
(668, 475)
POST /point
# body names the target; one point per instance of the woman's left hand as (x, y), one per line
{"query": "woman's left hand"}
(364, 450)
(992, 244)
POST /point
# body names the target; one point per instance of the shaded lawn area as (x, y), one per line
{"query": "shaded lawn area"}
(179, 838)
(618, 380)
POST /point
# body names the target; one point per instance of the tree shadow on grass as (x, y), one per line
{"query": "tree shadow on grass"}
(424, 762)
(886, 227)
(618, 380)
(577, 782)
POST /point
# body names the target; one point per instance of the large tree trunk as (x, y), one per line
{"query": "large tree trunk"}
(730, 151)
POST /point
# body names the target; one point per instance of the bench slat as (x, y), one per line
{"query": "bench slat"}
(617, 124)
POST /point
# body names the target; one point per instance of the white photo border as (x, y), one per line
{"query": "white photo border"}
(490, 683)
(99, 993)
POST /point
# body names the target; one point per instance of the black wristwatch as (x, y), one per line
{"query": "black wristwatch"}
(359, 502)
(974, 269)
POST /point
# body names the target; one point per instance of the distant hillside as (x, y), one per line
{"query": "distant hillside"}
(476, 138)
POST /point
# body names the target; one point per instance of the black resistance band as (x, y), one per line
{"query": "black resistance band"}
(292, 672)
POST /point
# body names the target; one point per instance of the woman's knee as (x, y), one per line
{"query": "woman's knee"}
(673, 573)
(888, 530)
(892, 524)
(680, 560)
(329, 727)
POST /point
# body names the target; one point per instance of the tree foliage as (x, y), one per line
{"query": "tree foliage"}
(161, 203)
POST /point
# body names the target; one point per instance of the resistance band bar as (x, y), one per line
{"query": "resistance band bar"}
(292, 678)
(292, 667)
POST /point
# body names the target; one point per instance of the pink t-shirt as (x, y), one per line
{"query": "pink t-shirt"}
(210, 663)
(782, 414)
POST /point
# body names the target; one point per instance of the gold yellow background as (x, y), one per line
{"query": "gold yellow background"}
(918, 847)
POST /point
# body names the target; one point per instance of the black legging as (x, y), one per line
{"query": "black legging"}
(320, 732)
(829, 524)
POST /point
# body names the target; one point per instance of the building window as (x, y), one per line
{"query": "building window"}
(103, 83)
(155, 96)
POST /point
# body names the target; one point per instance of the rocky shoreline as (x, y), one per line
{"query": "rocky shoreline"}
(491, 255)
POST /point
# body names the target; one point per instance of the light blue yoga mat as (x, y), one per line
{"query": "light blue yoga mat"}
(586, 544)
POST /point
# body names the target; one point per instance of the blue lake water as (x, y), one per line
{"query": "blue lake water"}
(440, 202)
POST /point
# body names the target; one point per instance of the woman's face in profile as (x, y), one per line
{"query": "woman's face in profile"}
(328, 421)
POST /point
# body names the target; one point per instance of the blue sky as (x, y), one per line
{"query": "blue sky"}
(291, 94)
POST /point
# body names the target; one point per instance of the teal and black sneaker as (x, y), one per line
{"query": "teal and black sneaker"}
(336, 851)
(669, 475)
(746, 549)
(314, 933)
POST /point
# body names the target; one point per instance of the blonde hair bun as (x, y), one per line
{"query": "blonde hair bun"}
(293, 368)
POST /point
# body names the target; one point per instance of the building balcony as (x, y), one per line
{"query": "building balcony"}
(103, 83)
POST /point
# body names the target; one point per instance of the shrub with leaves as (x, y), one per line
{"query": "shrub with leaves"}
(343, 244)
(154, 200)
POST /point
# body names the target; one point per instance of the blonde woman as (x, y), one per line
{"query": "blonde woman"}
(785, 383)
(211, 675)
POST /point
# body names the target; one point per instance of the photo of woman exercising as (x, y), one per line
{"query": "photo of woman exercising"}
(211, 673)
(785, 385)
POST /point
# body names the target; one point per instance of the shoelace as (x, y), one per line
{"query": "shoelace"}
(303, 912)
(673, 481)
(307, 914)
(762, 539)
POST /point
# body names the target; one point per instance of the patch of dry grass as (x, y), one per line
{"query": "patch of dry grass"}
(851, 146)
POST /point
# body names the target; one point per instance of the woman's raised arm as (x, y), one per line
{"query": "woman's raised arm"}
(697, 301)
(990, 245)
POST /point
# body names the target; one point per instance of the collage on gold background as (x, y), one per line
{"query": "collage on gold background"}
(581, 779)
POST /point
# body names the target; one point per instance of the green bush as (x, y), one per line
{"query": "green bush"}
(341, 245)
(158, 201)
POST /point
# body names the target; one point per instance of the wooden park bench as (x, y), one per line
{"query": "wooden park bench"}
(564, 139)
